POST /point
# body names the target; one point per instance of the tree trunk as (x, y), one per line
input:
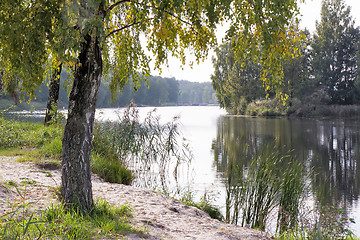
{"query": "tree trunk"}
(53, 95)
(76, 176)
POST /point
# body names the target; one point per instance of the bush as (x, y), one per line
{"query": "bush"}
(267, 108)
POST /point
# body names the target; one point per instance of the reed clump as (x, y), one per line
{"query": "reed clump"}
(273, 181)
(146, 146)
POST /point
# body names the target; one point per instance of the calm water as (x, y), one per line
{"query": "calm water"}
(330, 147)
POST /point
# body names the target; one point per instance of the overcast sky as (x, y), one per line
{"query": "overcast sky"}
(310, 12)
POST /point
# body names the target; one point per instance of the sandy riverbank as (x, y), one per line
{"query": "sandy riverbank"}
(163, 217)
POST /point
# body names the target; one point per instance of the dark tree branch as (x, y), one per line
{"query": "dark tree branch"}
(178, 18)
(120, 29)
(169, 13)
(111, 7)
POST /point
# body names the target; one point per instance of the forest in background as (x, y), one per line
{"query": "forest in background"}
(327, 73)
(159, 92)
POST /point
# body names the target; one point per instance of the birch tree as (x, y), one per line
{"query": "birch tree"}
(102, 35)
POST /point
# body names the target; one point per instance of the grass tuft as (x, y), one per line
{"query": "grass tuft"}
(111, 170)
(205, 205)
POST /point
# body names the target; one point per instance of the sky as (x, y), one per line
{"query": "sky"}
(310, 11)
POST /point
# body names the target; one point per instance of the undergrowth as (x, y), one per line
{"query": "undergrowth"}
(34, 138)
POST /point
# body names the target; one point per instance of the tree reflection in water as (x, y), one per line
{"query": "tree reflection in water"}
(330, 148)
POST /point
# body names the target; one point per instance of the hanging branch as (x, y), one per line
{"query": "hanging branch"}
(111, 7)
(122, 28)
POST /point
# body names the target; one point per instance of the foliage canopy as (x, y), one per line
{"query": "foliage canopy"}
(42, 33)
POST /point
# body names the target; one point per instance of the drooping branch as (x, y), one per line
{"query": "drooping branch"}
(178, 18)
(111, 7)
(122, 28)
(137, 22)
(167, 12)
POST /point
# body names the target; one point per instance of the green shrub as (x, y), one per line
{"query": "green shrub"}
(268, 108)
(110, 170)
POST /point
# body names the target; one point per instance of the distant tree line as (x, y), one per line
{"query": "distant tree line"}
(327, 71)
(159, 92)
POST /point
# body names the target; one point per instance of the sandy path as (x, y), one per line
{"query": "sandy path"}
(162, 217)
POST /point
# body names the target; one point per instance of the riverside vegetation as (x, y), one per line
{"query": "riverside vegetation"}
(273, 188)
(115, 145)
(272, 181)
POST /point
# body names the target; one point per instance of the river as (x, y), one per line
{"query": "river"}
(331, 148)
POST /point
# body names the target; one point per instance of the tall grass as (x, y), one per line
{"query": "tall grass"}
(119, 148)
(147, 147)
(293, 187)
(46, 140)
(272, 181)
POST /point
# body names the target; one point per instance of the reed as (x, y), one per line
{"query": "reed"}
(143, 146)
(272, 181)
(293, 188)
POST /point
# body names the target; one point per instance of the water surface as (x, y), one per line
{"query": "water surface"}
(331, 148)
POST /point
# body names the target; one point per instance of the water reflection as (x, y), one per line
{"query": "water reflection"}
(27, 116)
(330, 148)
